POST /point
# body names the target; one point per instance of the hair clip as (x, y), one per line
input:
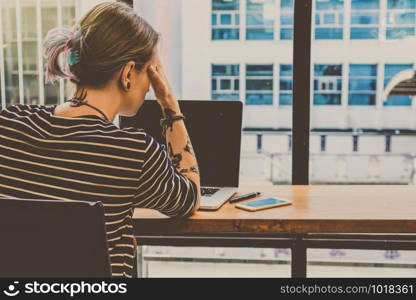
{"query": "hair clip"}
(73, 58)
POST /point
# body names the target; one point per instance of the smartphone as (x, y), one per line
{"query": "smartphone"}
(255, 205)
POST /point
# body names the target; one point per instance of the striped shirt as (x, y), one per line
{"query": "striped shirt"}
(43, 156)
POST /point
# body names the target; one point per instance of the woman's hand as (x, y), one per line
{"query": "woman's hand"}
(158, 80)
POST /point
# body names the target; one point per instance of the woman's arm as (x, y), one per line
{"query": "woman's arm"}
(179, 144)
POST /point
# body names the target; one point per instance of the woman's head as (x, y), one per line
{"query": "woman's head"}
(111, 44)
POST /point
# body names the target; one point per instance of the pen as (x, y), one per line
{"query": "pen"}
(245, 197)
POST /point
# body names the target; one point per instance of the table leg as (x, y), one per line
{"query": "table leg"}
(299, 259)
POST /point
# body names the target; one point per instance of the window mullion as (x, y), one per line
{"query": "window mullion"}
(301, 91)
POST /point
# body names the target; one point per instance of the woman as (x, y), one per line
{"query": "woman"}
(73, 151)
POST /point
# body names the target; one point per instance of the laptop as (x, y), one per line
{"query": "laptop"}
(214, 127)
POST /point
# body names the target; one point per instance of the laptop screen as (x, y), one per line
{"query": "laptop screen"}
(215, 131)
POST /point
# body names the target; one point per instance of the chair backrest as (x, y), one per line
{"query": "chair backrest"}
(48, 238)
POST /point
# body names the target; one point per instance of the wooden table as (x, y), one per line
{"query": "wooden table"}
(322, 216)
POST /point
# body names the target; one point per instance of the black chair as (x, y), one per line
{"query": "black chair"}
(48, 238)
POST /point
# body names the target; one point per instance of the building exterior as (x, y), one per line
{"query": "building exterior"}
(243, 49)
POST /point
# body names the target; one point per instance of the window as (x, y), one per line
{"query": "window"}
(401, 18)
(327, 84)
(225, 20)
(260, 19)
(225, 82)
(285, 84)
(49, 21)
(259, 84)
(329, 19)
(389, 71)
(364, 19)
(286, 19)
(362, 84)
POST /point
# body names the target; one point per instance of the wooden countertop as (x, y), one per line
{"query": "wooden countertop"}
(315, 209)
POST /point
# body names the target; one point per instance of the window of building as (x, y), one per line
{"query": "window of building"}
(329, 19)
(225, 19)
(327, 84)
(225, 82)
(285, 84)
(260, 19)
(389, 71)
(49, 14)
(365, 19)
(259, 84)
(286, 19)
(362, 84)
(401, 18)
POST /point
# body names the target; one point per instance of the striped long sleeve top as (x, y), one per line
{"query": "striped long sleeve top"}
(43, 156)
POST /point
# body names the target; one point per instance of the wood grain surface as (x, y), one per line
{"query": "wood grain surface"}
(315, 209)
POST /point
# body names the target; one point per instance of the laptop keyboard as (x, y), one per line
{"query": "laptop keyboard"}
(208, 192)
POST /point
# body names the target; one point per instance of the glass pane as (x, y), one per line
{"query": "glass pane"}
(10, 52)
(357, 136)
(259, 70)
(399, 33)
(49, 14)
(225, 84)
(225, 70)
(363, 70)
(362, 84)
(286, 19)
(286, 34)
(213, 19)
(401, 18)
(364, 18)
(30, 53)
(365, 4)
(286, 4)
(401, 4)
(259, 99)
(329, 4)
(364, 33)
(285, 84)
(328, 70)
(225, 20)
(328, 33)
(227, 76)
(390, 70)
(260, 13)
(225, 34)
(259, 34)
(286, 70)
(327, 99)
(361, 99)
(285, 99)
(259, 84)
(225, 4)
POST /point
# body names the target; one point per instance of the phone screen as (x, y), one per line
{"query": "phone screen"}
(265, 202)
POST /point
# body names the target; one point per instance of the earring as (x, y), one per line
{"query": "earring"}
(128, 85)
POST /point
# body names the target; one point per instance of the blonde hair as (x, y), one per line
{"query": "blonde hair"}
(107, 37)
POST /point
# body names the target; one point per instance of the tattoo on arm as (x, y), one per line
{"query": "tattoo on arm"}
(178, 157)
(190, 170)
(189, 148)
(168, 113)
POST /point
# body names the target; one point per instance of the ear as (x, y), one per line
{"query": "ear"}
(125, 78)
